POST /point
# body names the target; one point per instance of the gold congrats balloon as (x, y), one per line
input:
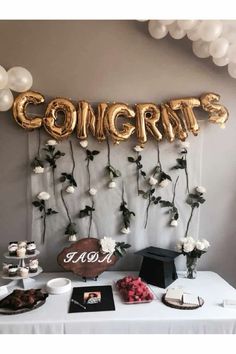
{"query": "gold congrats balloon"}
(172, 124)
(217, 112)
(147, 116)
(186, 106)
(19, 110)
(87, 120)
(114, 111)
(60, 132)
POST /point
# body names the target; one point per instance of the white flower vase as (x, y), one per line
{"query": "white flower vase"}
(191, 265)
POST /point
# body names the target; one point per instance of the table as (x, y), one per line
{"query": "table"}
(154, 317)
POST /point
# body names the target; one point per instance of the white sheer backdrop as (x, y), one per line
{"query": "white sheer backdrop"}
(107, 218)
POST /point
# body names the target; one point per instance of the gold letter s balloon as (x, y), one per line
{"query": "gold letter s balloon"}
(50, 124)
(217, 112)
(114, 111)
(19, 109)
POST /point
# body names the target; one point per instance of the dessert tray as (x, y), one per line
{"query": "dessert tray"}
(5, 311)
(176, 304)
(134, 291)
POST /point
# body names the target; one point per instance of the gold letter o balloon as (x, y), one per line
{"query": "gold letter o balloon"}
(60, 132)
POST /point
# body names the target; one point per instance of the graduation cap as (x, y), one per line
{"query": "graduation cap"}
(158, 266)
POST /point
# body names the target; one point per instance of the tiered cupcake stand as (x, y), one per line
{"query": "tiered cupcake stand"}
(22, 282)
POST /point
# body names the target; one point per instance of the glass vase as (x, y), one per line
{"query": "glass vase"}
(191, 264)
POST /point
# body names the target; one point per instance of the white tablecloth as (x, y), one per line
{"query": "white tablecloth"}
(154, 317)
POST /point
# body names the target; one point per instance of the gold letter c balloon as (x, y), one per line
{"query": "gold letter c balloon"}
(50, 124)
(19, 110)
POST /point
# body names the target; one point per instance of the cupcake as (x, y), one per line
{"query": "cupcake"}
(5, 267)
(22, 244)
(12, 248)
(12, 270)
(33, 266)
(23, 272)
(30, 248)
(21, 252)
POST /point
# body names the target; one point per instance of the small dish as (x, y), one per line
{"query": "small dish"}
(58, 286)
(136, 302)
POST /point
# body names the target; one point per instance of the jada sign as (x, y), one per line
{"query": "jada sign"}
(171, 120)
(85, 258)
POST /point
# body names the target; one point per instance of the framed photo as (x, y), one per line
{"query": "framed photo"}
(92, 298)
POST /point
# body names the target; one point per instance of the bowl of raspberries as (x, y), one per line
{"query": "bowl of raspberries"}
(134, 290)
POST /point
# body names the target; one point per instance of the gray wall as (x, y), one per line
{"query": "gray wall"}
(119, 61)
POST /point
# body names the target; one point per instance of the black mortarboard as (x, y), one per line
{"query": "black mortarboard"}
(158, 266)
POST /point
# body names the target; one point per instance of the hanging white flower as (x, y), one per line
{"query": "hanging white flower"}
(70, 189)
(200, 245)
(206, 243)
(200, 189)
(125, 230)
(84, 143)
(152, 181)
(112, 184)
(51, 142)
(38, 169)
(164, 183)
(138, 148)
(108, 245)
(72, 238)
(43, 196)
(174, 223)
(184, 144)
(92, 191)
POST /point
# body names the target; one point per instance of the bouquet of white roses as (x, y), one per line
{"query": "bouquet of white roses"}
(189, 247)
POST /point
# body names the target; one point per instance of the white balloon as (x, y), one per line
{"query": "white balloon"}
(201, 49)
(19, 79)
(187, 24)
(6, 100)
(218, 48)
(210, 30)
(194, 34)
(232, 53)
(176, 32)
(3, 77)
(166, 22)
(232, 70)
(221, 61)
(157, 30)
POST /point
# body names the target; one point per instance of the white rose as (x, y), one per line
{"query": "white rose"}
(188, 239)
(108, 245)
(206, 243)
(179, 246)
(200, 246)
(43, 196)
(152, 181)
(138, 148)
(189, 246)
(112, 184)
(174, 223)
(200, 189)
(70, 189)
(51, 142)
(125, 230)
(164, 183)
(39, 169)
(184, 144)
(72, 238)
(83, 143)
(92, 191)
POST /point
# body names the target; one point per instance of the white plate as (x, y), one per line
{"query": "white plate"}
(58, 286)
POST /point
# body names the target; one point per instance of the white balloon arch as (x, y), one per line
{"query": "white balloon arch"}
(215, 38)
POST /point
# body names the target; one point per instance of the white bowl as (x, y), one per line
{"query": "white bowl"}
(58, 286)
